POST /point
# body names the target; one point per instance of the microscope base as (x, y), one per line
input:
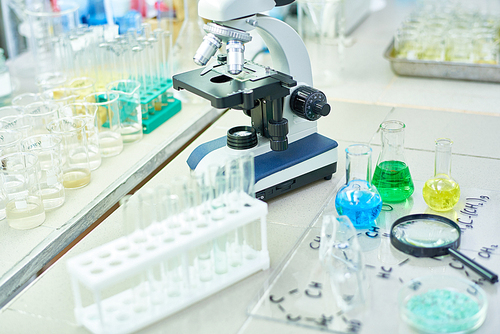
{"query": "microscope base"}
(276, 172)
(297, 182)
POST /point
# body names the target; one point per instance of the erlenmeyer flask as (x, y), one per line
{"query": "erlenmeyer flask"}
(441, 192)
(392, 176)
(187, 43)
(358, 199)
(342, 258)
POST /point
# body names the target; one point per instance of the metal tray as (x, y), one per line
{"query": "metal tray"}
(442, 69)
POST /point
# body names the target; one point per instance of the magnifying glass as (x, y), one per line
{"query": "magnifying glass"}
(427, 235)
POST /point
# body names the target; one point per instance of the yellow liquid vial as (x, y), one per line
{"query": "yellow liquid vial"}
(441, 193)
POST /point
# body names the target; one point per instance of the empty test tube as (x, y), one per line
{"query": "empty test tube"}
(218, 183)
(250, 231)
(136, 238)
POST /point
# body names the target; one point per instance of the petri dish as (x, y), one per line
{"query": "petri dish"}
(442, 304)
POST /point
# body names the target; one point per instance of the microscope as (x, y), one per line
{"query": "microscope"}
(282, 104)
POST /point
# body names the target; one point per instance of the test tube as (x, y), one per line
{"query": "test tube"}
(205, 263)
(234, 181)
(132, 216)
(218, 183)
(250, 231)
(166, 49)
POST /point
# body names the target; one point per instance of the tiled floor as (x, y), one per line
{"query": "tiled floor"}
(363, 95)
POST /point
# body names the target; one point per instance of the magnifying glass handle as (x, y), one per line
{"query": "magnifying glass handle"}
(479, 269)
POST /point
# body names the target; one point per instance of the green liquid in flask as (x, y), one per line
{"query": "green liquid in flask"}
(393, 181)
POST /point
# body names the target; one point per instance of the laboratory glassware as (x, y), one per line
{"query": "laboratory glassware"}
(392, 175)
(81, 87)
(107, 120)
(358, 199)
(25, 99)
(41, 114)
(442, 304)
(188, 40)
(48, 27)
(87, 112)
(51, 80)
(48, 150)
(75, 154)
(442, 192)
(129, 106)
(20, 183)
(341, 257)
(10, 141)
(104, 273)
(20, 123)
(11, 111)
(427, 235)
(60, 96)
(321, 25)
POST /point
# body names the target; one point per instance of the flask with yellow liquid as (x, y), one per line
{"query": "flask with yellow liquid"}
(441, 192)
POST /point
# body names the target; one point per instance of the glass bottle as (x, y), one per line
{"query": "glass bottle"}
(359, 199)
(441, 192)
(392, 176)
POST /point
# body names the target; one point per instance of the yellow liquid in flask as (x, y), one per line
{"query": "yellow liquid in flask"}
(441, 193)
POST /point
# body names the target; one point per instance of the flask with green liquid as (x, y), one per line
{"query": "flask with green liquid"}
(392, 176)
(441, 192)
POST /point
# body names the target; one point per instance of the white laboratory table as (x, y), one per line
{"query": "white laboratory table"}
(362, 95)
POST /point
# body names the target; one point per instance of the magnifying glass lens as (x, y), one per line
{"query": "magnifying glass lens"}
(426, 233)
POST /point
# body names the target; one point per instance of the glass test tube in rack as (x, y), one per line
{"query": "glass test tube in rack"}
(157, 270)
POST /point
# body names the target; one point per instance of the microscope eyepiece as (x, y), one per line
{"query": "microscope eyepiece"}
(207, 49)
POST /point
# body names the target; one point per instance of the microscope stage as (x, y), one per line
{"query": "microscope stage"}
(227, 91)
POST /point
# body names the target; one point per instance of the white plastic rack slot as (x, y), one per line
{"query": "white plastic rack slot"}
(123, 286)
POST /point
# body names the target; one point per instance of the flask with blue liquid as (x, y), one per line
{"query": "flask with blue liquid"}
(358, 199)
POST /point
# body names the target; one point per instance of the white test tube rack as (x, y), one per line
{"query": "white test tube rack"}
(109, 265)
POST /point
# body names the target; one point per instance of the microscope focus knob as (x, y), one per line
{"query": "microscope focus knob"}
(309, 103)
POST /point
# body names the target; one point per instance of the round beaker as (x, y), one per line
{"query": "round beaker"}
(60, 96)
(11, 111)
(81, 87)
(86, 111)
(51, 80)
(10, 141)
(76, 165)
(25, 99)
(48, 28)
(441, 192)
(48, 150)
(20, 184)
(20, 123)
(41, 114)
(107, 120)
(129, 105)
(392, 176)
(358, 199)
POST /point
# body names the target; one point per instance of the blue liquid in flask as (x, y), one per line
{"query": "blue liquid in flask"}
(359, 202)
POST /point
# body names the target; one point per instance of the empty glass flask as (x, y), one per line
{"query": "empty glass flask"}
(358, 199)
(392, 176)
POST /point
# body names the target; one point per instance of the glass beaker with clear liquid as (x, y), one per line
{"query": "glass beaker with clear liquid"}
(441, 192)
(392, 176)
(359, 199)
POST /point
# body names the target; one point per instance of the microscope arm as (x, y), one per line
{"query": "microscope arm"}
(288, 52)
